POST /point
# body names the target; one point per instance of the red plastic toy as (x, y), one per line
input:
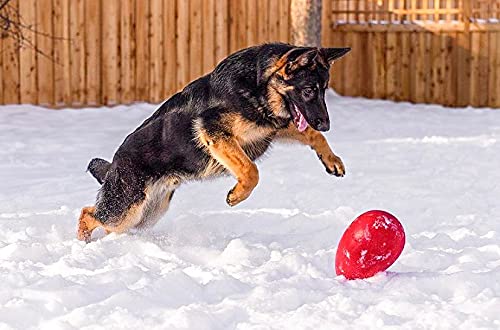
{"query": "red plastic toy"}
(371, 244)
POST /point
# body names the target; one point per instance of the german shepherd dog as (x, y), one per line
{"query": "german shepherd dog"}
(219, 123)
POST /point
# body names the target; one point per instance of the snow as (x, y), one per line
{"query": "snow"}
(269, 262)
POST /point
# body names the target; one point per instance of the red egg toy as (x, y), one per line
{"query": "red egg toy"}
(371, 244)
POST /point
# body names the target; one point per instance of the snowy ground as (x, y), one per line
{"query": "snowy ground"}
(269, 262)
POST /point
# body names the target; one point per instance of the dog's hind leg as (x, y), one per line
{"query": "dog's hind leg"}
(157, 205)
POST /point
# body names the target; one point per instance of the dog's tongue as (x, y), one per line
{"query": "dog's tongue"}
(302, 124)
(299, 120)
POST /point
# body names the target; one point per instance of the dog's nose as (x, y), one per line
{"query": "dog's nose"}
(321, 124)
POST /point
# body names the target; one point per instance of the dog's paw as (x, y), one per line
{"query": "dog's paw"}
(333, 165)
(233, 199)
(237, 195)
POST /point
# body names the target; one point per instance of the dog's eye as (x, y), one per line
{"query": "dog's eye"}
(308, 92)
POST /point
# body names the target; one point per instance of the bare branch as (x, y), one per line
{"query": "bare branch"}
(13, 26)
(3, 4)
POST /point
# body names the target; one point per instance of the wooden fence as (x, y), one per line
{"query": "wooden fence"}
(445, 52)
(121, 51)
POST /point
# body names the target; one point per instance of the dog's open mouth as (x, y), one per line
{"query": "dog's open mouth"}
(298, 119)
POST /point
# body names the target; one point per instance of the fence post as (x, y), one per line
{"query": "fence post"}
(305, 19)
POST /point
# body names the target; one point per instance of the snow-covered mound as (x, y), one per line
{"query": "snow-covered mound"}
(269, 262)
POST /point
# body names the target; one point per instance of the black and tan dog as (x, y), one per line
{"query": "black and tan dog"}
(218, 124)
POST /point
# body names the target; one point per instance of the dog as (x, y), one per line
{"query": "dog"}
(218, 124)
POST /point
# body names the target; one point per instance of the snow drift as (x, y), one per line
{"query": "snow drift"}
(269, 262)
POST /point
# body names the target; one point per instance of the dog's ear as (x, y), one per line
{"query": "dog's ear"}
(288, 63)
(307, 58)
(331, 54)
(294, 60)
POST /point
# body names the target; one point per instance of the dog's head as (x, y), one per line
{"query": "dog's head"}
(301, 76)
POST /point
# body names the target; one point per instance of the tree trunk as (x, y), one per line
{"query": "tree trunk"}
(306, 22)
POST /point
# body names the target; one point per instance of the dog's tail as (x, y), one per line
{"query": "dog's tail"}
(98, 168)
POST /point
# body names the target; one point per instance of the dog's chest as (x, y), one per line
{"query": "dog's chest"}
(255, 140)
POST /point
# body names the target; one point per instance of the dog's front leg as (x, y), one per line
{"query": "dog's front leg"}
(333, 164)
(228, 152)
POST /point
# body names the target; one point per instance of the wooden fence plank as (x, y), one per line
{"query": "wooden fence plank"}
(475, 81)
(350, 67)
(142, 49)
(233, 24)
(497, 70)
(365, 73)
(45, 63)
(128, 51)
(284, 10)
(208, 47)
(195, 40)
(436, 80)
(435, 67)
(1, 71)
(404, 78)
(356, 61)
(337, 69)
(27, 55)
(77, 35)
(464, 69)
(326, 22)
(10, 59)
(263, 21)
(450, 69)
(427, 68)
(221, 29)
(62, 78)
(379, 84)
(494, 71)
(420, 63)
(93, 49)
(483, 69)
(326, 15)
(156, 21)
(369, 64)
(170, 54)
(359, 43)
(441, 88)
(110, 55)
(241, 24)
(182, 43)
(392, 63)
(414, 74)
(274, 20)
(252, 24)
